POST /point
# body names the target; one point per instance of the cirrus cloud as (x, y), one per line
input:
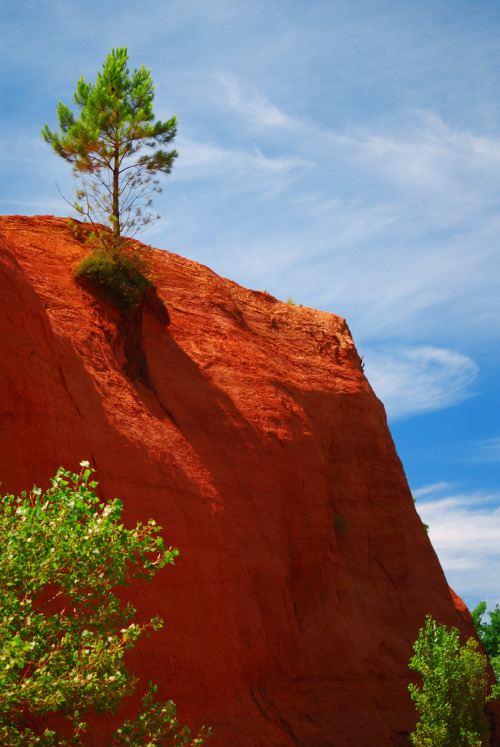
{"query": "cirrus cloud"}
(412, 380)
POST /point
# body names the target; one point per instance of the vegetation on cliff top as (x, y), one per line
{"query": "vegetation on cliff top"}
(116, 122)
(105, 146)
(120, 275)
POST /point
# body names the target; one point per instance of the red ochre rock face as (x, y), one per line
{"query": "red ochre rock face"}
(246, 428)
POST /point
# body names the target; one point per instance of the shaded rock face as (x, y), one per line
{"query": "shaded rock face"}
(247, 429)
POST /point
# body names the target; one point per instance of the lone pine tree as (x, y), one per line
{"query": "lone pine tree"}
(104, 146)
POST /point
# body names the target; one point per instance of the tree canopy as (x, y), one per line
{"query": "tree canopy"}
(106, 143)
(454, 689)
(489, 633)
(63, 629)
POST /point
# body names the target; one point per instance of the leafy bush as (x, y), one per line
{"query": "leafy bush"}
(117, 274)
(489, 633)
(454, 689)
(63, 630)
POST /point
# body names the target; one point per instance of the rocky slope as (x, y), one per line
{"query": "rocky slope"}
(247, 429)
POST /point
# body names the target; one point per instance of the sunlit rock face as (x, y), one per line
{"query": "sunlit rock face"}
(246, 428)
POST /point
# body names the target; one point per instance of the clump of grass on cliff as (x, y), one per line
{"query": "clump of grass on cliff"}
(119, 274)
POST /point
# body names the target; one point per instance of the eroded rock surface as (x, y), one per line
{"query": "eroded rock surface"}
(247, 429)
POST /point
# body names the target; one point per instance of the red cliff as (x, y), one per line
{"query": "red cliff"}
(247, 429)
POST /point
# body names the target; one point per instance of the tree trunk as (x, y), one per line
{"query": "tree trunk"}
(116, 205)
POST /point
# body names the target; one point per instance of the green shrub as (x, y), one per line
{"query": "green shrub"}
(454, 689)
(118, 275)
(63, 629)
(489, 633)
(340, 523)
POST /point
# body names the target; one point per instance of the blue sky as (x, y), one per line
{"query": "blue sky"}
(345, 154)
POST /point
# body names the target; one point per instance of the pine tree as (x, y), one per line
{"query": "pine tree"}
(103, 144)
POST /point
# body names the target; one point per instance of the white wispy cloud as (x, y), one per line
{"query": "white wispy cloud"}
(412, 380)
(464, 529)
(197, 155)
(487, 451)
(250, 104)
(237, 170)
(427, 152)
(441, 182)
(27, 160)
